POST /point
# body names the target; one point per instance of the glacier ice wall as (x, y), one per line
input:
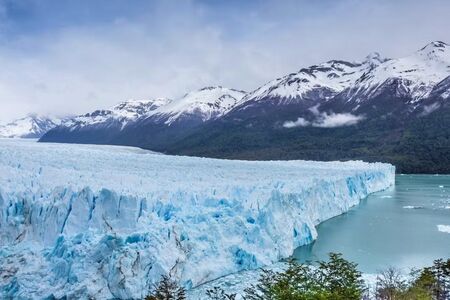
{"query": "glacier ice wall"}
(105, 222)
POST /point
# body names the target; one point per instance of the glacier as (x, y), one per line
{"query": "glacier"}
(103, 222)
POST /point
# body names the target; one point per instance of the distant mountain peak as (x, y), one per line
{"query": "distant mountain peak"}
(412, 76)
(435, 45)
(209, 88)
(122, 113)
(216, 87)
(206, 103)
(31, 126)
(435, 51)
(324, 80)
(136, 108)
(374, 59)
(202, 104)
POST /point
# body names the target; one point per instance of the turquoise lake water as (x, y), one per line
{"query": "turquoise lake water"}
(398, 227)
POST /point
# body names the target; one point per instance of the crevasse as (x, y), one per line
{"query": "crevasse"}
(105, 222)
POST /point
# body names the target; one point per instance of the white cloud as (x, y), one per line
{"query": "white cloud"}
(428, 109)
(299, 122)
(325, 120)
(337, 120)
(179, 46)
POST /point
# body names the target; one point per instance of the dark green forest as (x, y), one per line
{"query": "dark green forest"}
(417, 145)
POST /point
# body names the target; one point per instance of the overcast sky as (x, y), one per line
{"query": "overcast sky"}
(67, 57)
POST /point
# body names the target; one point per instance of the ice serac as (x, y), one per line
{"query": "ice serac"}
(105, 222)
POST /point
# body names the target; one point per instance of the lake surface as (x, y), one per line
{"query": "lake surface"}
(398, 227)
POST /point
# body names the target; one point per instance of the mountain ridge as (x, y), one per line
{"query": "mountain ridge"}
(356, 105)
(31, 126)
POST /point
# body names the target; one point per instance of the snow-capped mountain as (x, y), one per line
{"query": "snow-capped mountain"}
(206, 104)
(102, 126)
(32, 126)
(368, 98)
(352, 91)
(414, 75)
(133, 122)
(122, 114)
(324, 80)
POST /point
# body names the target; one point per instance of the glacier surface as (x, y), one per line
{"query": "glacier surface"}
(104, 222)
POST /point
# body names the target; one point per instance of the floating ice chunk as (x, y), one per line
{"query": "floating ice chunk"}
(444, 228)
(412, 207)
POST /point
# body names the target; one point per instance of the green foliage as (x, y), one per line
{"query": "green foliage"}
(432, 283)
(340, 278)
(335, 279)
(167, 289)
